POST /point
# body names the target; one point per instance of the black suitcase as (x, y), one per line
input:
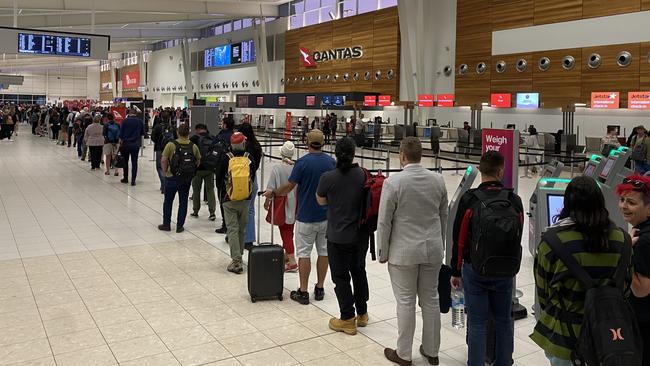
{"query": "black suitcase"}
(266, 270)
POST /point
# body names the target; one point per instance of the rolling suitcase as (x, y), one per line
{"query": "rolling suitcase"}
(266, 269)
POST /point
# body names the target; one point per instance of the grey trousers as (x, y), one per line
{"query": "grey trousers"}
(236, 215)
(419, 280)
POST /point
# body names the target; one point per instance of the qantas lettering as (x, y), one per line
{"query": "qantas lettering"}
(335, 54)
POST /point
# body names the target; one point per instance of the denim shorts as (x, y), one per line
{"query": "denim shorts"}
(309, 234)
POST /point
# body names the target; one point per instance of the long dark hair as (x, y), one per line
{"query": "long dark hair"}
(345, 150)
(251, 141)
(585, 205)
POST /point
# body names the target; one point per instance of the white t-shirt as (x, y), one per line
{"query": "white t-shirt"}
(279, 177)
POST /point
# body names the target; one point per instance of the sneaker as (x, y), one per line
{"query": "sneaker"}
(221, 230)
(125, 181)
(232, 267)
(392, 356)
(212, 217)
(319, 293)
(239, 267)
(194, 214)
(362, 320)
(291, 267)
(432, 360)
(346, 326)
(164, 228)
(180, 230)
(132, 183)
(300, 297)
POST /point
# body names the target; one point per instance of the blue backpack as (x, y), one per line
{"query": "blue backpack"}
(113, 132)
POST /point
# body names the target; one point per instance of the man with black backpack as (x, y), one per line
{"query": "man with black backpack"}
(180, 159)
(487, 252)
(162, 133)
(205, 172)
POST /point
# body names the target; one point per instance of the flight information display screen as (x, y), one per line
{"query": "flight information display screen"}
(230, 54)
(45, 44)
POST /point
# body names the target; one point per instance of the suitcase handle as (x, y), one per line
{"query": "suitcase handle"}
(259, 194)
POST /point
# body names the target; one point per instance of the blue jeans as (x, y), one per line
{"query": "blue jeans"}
(80, 142)
(159, 169)
(173, 186)
(250, 225)
(131, 151)
(641, 167)
(485, 297)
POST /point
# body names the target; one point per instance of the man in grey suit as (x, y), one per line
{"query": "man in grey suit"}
(412, 220)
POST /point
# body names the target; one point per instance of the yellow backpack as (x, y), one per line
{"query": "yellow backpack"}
(240, 183)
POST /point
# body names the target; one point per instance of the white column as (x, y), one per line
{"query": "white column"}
(187, 68)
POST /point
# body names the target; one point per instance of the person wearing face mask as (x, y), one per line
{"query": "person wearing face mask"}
(634, 204)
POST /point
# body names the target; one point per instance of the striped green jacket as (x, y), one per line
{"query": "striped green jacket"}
(554, 282)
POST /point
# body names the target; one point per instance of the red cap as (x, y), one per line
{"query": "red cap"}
(237, 138)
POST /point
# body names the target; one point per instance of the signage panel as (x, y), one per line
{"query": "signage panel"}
(605, 100)
(282, 101)
(369, 101)
(638, 100)
(507, 143)
(384, 100)
(501, 100)
(130, 79)
(425, 100)
(445, 100)
(259, 101)
(310, 100)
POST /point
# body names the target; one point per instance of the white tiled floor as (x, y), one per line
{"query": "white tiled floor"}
(87, 279)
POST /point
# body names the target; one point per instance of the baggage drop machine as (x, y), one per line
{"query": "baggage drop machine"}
(594, 166)
(537, 205)
(612, 173)
(465, 184)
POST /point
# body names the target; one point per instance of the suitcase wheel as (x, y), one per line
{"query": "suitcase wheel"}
(280, 297)
(253, 300)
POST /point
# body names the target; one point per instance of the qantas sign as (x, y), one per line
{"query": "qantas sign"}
(309, 59)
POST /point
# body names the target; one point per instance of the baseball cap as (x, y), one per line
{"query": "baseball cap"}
(315, 138)
(237, 138)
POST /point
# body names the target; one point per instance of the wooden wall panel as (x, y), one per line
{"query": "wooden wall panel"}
(470, 92)
(645, 5)
(554, 11)
(644, 70)
(508, 14)
(379, 36)
(558, 87)
(474, 44)
(600, 8)
(472, 16)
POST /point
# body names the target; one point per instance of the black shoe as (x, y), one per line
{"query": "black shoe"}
(319, 293)
(125, 181)
(164, 228)
(432, 360)
(194, 214)
(212, 217)
(132, 183)
(180, 230)
(300, 297)
(162, 190)
(221, 230)
(248, 246)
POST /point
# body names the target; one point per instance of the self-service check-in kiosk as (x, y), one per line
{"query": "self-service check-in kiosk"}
(612, 173)
(465, 184)
(593, 166)
(537, 205)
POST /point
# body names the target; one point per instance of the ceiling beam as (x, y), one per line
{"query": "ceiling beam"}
(235, 9)
(103, 19)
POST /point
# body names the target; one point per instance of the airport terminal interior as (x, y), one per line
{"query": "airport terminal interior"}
(87, 278)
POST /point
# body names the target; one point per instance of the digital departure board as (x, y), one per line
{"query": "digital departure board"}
(44, 44)
(230, 54)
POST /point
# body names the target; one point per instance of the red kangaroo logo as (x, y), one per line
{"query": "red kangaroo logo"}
(307, 60)
(616, 334)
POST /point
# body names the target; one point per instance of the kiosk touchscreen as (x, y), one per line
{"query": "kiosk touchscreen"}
(555, 204)
(465, 184)
(607, 169)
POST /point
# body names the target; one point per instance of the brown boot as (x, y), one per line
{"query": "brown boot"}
(346, 326)
(362, 320)
(392, 356)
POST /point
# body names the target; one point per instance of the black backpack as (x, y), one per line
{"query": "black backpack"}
(209, 154)
(167, 135)
(496, 235)
(183, 162)
(610, 334)
(221, 148)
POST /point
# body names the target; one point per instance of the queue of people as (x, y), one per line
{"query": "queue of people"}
(321, 202)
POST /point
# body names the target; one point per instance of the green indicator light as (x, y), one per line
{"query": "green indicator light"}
(469, 170)
(595, 157)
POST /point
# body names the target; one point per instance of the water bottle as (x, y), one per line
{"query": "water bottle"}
(457, 308)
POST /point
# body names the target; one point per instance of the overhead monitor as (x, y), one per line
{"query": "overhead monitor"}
(230, 54)
(501, 100)
(638, 100)
(259, 101)
(327, 100)
(282, 101)
(555, 204)
(445, 100)
(425, 100)
(528, 100)
(45, 44)
(310, 100)
(605, 100)
(369, 100)
(338, 100)
(384, 100)
(607, 168)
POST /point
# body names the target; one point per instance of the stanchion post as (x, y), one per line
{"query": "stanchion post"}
(572, 157)
(456, 165)
(261, 186)
(526, 165)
